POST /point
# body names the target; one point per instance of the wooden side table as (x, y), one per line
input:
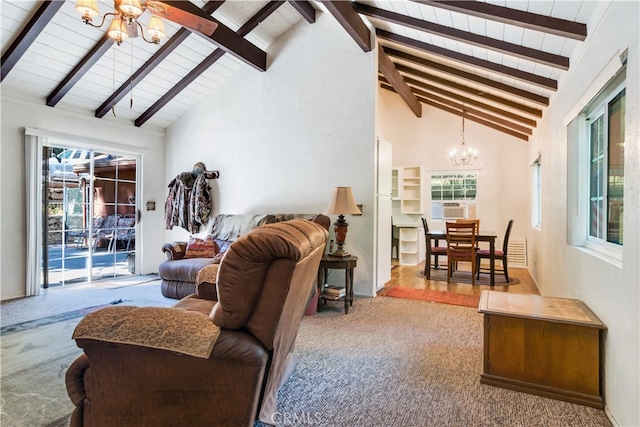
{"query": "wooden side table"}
(552, 347)
(347, 263)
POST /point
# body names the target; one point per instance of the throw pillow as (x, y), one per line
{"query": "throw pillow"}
(201, 248)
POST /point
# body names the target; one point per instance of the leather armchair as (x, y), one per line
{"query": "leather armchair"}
(264, 284)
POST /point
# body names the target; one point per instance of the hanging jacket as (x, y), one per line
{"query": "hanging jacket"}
(176, 207)
(199, 204)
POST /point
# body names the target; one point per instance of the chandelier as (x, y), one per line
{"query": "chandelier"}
(125, 20)
(468, 156)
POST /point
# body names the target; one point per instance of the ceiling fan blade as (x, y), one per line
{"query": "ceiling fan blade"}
(185, 14)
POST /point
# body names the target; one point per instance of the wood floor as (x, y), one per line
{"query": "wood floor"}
(412, 277)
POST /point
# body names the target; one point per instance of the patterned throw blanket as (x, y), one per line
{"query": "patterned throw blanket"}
(208, 274)
(163, 328)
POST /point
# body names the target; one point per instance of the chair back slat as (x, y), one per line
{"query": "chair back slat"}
(461, 237)
(461, 246)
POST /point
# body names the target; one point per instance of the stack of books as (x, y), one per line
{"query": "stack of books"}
(334, 292)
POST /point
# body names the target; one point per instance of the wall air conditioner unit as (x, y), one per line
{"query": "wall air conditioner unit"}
(454, 210)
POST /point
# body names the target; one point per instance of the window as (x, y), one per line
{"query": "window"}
(606, 172)
(595, 169)
(536, 193)
(453, 195)
(460, 186)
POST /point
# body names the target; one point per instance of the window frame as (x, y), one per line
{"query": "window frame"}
(596, 109)
(464, 176)
(438, 203)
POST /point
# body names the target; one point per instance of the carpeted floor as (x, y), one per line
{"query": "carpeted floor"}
(389, 362)
(433, 296)
(400, 362)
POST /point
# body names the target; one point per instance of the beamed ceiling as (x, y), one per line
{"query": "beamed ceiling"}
(499, 61)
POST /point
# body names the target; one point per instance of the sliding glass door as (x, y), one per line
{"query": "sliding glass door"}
(89, 218)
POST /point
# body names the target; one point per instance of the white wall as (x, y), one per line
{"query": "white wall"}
(567, 271)
(16, 115)
(503, 172)
(283, 139)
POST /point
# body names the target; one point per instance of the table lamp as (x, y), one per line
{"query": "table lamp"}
(341, 204)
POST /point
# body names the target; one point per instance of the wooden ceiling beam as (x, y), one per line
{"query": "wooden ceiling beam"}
(28, 35)
(534, 55)
(388, 69)
(419, 84)
(466, 89)
(351, 22)
(85, 64)
(252, 23)
(155, 60)
(305, 9)
(478, 113)
(534, 79)
(456, 72)
(422, 95)
(466, 116)
(227, 39)
(533, 21)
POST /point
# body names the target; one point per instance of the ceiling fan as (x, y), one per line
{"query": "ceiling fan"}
(125, 23)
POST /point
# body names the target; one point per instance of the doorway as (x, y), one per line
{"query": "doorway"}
(89, 216)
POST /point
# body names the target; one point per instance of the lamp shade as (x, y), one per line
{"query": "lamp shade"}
(87, 8)
(156, 28)
(131, 7)
(117, 30)
(343, 202)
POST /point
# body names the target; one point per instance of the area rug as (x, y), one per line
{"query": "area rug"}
(462, 276)
(434, 296)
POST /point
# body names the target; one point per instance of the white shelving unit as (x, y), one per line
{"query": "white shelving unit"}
(395, 194)
(408, 207)
(409, 246)
(410, 178)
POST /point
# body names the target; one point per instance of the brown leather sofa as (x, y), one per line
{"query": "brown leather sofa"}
(264, 284)
(180, 275)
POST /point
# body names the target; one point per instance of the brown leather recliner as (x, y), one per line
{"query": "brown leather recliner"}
(264, 284)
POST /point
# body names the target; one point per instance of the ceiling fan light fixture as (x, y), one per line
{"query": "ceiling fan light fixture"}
(88, 9)
(156, 29)
(117, 30)
(130, 7)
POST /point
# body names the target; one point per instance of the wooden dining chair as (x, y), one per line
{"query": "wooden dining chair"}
(436, 250)
(461, 246)
(499, 255)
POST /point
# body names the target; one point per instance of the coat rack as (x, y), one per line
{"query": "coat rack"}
(200, 169)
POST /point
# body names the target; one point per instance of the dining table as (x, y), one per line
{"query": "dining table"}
(485, 236)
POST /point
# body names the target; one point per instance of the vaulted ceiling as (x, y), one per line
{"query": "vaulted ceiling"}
(499, 62)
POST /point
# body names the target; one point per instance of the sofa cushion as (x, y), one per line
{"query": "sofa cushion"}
(201, 248)
(184, 270)
(230, 226)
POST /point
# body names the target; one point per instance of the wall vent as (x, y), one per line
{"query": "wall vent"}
(517, 253)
